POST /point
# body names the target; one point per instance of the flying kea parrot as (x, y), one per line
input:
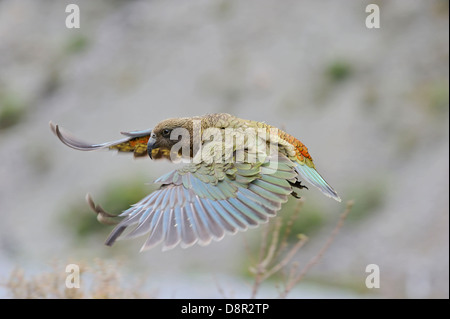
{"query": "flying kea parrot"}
(223, 188)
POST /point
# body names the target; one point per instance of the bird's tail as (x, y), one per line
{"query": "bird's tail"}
(314, 178)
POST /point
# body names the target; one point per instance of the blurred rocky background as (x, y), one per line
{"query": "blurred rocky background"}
(372, 105)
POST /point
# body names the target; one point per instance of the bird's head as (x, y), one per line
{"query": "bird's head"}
(171, 138)
(178, 138)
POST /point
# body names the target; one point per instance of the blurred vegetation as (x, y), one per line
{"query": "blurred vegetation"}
(408, 139)
(52, 81)
(441, 8)
(116, 197)
(368, 197)
(338, 71)
(12, 106)
(370, 99)
(334, 73)
(12, 109)
(38, 157)
(434, 96)
(307, 222)
(353, 283)
(223, 9)
(76, 44)
(99, 280)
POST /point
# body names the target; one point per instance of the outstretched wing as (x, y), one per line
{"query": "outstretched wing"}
(202, 202)
(135, 141)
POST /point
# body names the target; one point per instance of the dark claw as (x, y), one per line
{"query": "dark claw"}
(296, 195)
(299, 185)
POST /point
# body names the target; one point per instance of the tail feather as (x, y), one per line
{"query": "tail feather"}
(314, 178)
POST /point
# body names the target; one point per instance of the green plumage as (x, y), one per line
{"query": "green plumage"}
(227, 187)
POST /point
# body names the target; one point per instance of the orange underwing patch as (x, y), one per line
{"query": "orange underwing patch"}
(302, 150)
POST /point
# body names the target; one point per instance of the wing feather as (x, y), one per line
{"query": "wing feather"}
(199, 203)
(135, 142)
(313, 177)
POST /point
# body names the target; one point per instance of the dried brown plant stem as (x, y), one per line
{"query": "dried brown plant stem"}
(261, 270)
(283, 263)
(295, 279)
(290, 223)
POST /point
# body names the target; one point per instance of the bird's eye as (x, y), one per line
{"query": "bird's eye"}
(166, 132)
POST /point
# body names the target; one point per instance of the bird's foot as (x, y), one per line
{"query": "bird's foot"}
(299, 185)
(296, 195)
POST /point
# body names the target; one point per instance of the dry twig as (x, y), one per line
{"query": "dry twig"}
(275, 257)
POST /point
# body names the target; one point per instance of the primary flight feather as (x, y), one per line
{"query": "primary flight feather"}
(239, 174)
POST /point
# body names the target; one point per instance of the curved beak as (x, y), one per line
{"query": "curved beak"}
(150, 146)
